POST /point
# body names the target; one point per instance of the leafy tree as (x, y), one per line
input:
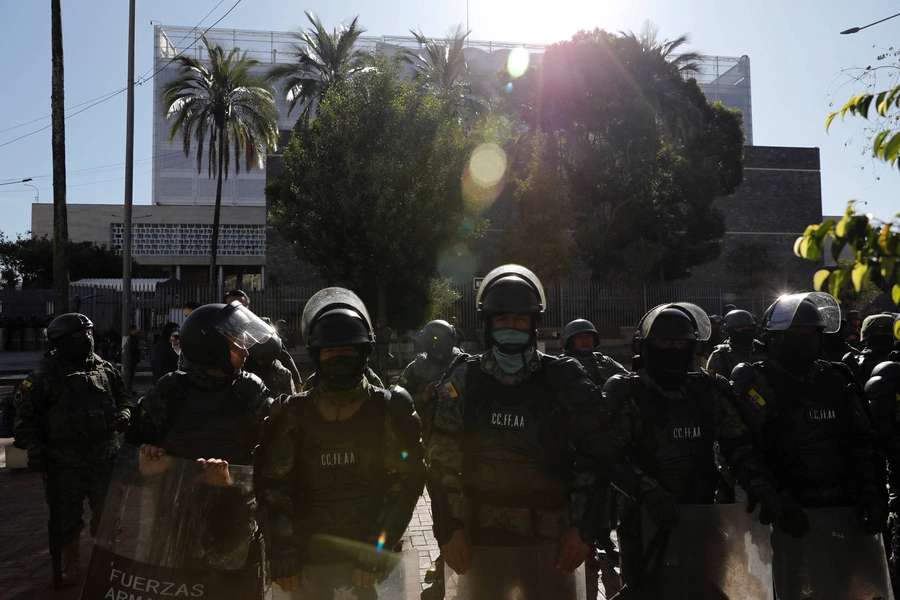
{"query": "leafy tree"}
(645, 155)
(226, 108)
(371, 190)
(322, 60)
(29, 261)
(440, 65)
(442, 295)
(543, 203)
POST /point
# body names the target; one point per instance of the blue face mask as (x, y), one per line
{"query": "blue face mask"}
(518, 352)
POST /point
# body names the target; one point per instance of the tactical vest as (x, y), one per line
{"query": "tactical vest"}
(85, 409)
(677, 447)
(514, 449)
(210, 423)
(808, 437)
(339, 466)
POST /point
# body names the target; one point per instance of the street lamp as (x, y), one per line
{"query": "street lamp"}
(37, 192)
(855, 29)
(19, 181)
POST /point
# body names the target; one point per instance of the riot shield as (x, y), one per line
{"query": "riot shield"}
(174, 530)
(524, 573)
(834, 561)
(715, 551)
(400, 581)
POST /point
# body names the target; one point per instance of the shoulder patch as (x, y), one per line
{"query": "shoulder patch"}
(25, 386)
(754, 399)
(403, 380)
(447, 391)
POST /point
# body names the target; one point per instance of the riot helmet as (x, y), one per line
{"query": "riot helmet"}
(68, 347)
(211, 331)
(877, 326)
(797, 350)
(266, 352)
(510, 289)
(738, 318)
(854, 315)
(337, 318)
(438, 337)
(579, 326)
(666, 339)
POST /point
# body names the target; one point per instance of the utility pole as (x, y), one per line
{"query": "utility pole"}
(58, 149)
(129, 189)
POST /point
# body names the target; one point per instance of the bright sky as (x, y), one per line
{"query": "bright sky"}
(796, 56)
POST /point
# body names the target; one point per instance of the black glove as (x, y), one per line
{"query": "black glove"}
(873, 513)
(661, 506)
(778, 508)
(286, 564)
(372, 561)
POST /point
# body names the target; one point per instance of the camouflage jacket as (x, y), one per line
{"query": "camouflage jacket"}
(599, 366)
(38, 416)
(770, 400)
(277, 377)
(577, 402)
(725, 358)
(279, 475)
(422, 371)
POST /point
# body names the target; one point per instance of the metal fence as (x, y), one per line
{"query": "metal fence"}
(603, 304)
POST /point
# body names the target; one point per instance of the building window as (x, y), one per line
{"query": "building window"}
(160, 239)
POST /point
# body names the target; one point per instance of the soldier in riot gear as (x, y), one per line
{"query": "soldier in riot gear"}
(807, 415)
(883, 392)
(345, 459)
(264, 363)
(877, 337)
(580, 341)
(501, 464)
(741, 345)
(669, 420)
(68, 411)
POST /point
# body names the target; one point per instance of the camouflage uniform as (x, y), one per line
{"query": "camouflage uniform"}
(725, 357)
(195, 415)
(357, 478)
(371, 377)
(415, 379)
(813, 431)
(514, 514)
(63, 418)
(669, 437)
(276, 376)
(862, 363)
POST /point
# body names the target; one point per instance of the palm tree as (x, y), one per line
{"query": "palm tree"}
(225, 108)
(322, 60)
(660, 73)
(443, 68)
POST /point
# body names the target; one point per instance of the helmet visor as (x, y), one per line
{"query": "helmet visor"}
(787, 305)
(701, 320)
(511, 269)
(329, 299)
(242, 327)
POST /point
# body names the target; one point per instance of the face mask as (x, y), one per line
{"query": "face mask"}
(669, 366)
(341, 373)
(798, 351)
(511, 341)
(512, 363)
(177, 349)
(741, 339)
(581, 352)
(76, 350)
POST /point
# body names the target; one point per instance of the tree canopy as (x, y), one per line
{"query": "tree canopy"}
(371, 191)
(29, 261)
(643, 152)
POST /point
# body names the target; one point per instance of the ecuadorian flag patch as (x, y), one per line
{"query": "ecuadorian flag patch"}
(755, 400)
(447, 391)
(25, 386)
(403, 380)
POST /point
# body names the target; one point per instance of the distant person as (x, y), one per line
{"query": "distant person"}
(165, 357)
(239, 295)
(189, 307)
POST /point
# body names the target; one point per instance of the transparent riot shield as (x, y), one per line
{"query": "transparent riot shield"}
(400, 581)
(524, 573)
(834, 561)
(715, 551)
(171, 529)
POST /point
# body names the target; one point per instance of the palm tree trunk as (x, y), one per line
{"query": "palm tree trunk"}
(58, 149)
(214, 247)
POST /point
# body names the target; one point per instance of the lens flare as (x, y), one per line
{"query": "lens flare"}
(509, 87)
(487, 165)
(457, 263)
(517, 62)
(381, 540)
(404, 454)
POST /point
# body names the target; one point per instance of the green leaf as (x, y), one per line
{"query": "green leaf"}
(859, 275)
(799, 246)
(837, 246)
(895, 296)
(835, 281)
(813, 250)
(820, 278)
(830, 118)
(876, 143)
(890, 152)
(840, 230)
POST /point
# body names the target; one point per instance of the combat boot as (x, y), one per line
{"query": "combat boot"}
(435, 571)
(70, 558)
